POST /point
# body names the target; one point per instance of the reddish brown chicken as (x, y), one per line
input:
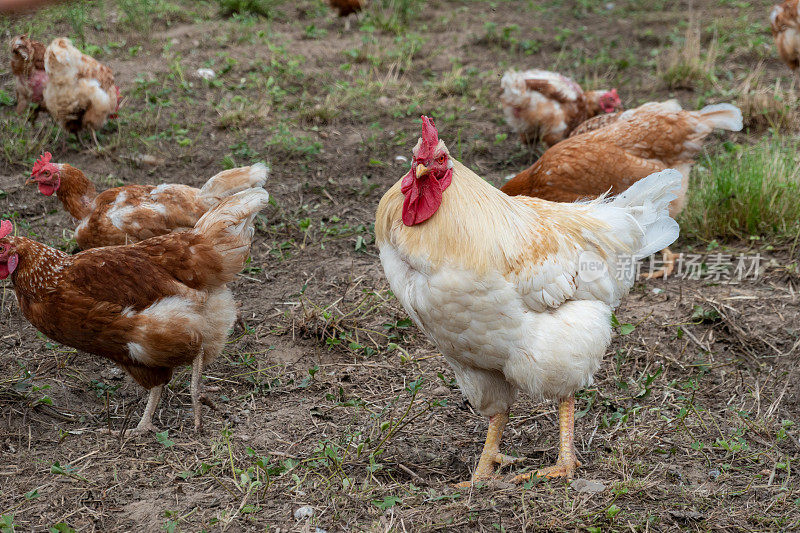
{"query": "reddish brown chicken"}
(132, 213)
(650, 138)
(149, 307)
(345, 8)
(30, 78)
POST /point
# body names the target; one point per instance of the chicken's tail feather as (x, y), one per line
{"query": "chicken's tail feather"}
(647, 201)
(229, 182)
(722, 116)
(229, 227)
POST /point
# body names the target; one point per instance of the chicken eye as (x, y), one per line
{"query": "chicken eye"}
(441, 159)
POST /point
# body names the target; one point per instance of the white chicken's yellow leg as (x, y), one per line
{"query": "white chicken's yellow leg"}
(567, 461)
(667, 269)
(491, 452)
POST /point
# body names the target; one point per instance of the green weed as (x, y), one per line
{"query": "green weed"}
(746, 192)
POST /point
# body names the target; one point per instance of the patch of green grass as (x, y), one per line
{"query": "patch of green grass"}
(746, 192)
(392, 15)
(22, 142)
(140, 13)
(284, 143)
(264, 8)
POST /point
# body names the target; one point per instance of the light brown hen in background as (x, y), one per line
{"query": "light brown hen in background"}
(650, 138)
(546, 106)
(80, 92)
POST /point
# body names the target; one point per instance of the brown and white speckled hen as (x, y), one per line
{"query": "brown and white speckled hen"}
(80, 92)
(132, 213)
(546, 106)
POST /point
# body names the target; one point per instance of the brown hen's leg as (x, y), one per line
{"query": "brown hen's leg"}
(146, 423)
(94, 136)
(491, 453)
(197, 372)
(567, 461)
(667, 269)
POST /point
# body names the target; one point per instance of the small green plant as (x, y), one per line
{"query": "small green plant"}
(7, 524)
(264, 8)
(392, 15)
(290, 145)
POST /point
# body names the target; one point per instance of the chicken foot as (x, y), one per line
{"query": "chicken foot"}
(567, 461)
(491, 453)
(146, 423)
(667, 269)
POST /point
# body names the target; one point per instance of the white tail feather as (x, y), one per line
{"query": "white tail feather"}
(647, 201)
(229, 227)
(723, 116)
(229, 182)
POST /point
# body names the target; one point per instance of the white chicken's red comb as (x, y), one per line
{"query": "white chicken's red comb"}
(430, 138)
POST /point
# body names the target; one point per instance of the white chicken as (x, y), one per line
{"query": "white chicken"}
(515, 292)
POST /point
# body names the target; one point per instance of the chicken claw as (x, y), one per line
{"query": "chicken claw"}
(667, 269)
(484, 473)
(563, 468)
(567, 461)
(146, 423)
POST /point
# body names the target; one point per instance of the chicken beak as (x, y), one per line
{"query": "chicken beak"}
(422, 170)
(29, 181)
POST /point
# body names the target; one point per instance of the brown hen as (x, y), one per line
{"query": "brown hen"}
(149, 307)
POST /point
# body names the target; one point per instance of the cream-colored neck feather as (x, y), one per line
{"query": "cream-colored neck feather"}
(480, 228)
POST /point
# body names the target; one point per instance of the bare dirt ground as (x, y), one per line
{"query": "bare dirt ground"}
(331, 398)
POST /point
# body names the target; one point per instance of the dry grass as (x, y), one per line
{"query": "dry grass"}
(686, 65)
(768, 107)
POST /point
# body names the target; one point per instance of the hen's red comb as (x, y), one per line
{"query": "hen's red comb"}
(6, 227)
(41, 163)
